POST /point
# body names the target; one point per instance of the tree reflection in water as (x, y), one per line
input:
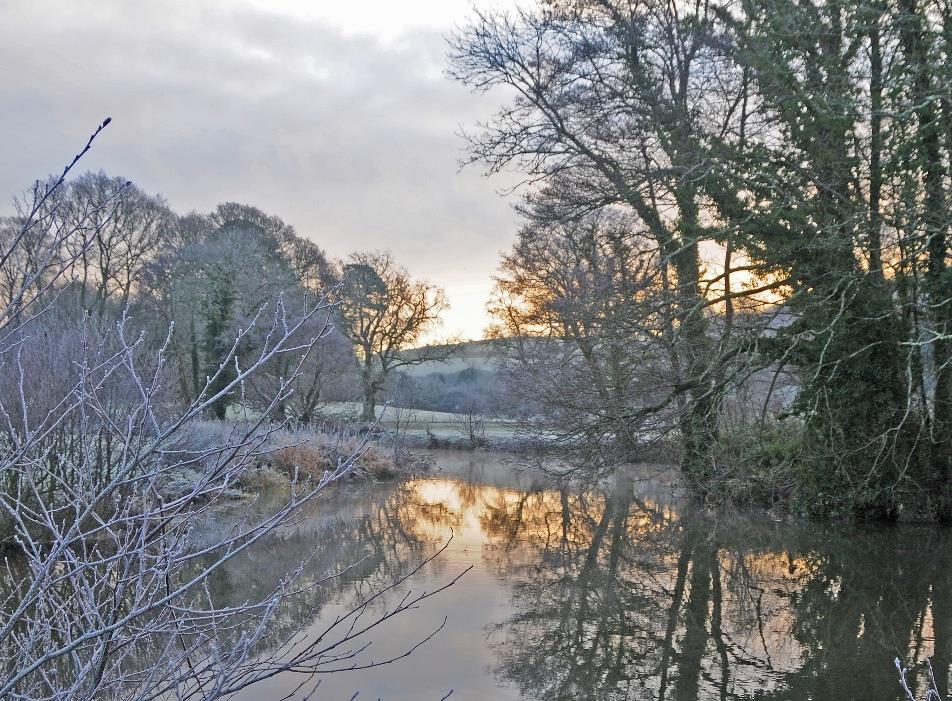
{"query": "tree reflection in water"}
(629, 598)
(615, 592)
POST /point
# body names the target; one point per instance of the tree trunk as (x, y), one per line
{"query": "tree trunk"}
(193, 355)
(699, 421)
(874, 242)
(369, 412)
(935, 222)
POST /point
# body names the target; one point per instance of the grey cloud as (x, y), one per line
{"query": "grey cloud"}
(350, 139)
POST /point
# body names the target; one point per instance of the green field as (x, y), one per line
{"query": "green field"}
(417, 422)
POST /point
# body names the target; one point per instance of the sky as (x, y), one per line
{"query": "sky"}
(335, 116)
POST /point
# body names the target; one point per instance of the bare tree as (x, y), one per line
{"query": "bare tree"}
(620, 104)
(585, 308)
(330, 373)
(385, 313)
(473, 426)
(32, 258)
(127, 238)
(812, 162)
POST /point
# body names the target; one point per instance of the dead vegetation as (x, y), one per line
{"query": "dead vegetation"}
(309, 454)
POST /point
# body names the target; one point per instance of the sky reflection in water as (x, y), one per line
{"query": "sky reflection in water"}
(620, 592)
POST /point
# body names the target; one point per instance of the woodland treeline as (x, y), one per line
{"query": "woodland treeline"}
(725, 200)
(193, 284)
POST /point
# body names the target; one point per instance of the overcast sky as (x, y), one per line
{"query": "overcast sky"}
(335, 116)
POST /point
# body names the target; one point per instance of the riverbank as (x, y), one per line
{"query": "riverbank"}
(301, 453)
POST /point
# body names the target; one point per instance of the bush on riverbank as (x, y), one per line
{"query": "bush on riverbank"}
(782, 466)
(753, 465)
(308, 454)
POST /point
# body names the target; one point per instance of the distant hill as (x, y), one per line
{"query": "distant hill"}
(469, 381)
(476, 355)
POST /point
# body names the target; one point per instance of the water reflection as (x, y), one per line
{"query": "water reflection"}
(616, 592)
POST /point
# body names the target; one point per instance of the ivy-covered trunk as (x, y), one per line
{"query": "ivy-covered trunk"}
(701, 413)
(218, 343)
(929, 161)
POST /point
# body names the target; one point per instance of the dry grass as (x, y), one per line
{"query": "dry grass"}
(262, 479)
(315, 457)
(307, 454)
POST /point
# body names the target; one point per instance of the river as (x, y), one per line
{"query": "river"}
(622, 590)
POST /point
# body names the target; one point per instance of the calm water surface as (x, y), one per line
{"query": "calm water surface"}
(620, 591)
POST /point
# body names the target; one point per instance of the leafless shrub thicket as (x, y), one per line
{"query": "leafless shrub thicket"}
(104, 593)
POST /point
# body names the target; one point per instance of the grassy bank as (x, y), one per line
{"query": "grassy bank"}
(423, 428)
